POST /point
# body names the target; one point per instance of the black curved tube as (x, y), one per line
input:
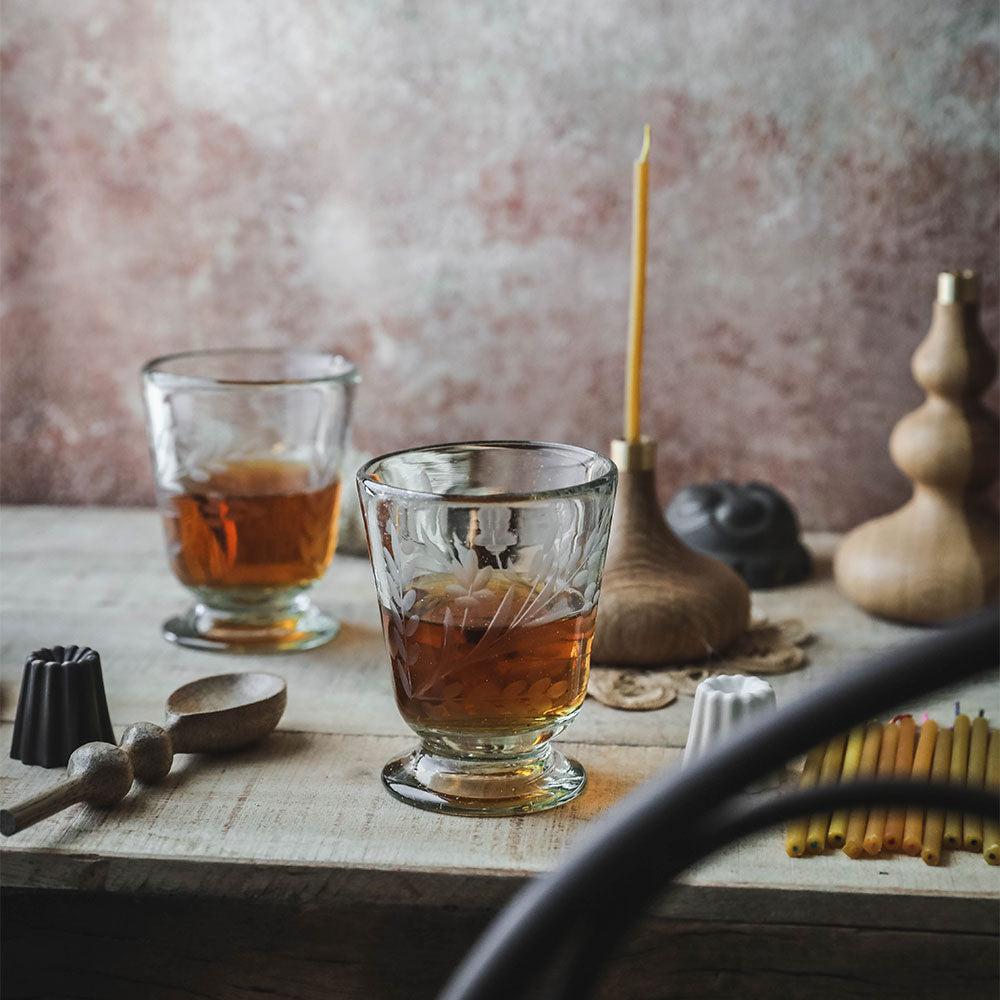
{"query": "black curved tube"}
(642, 883)
(520, 934)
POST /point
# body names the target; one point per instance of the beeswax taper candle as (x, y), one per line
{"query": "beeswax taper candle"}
(798, 829)
(892, 838)
(975, 775)
(854, 839)
(829, 771)
(956, 776)
(913, 827)
(819, 823)
(991, 829)
(637, 298)
(934, 827)
(886, 762)
(837, 832)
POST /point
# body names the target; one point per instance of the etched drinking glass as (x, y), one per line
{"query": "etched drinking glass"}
(246, 448)
(487, 559)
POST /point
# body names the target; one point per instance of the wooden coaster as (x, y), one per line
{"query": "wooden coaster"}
(631, 689)
(765, 648)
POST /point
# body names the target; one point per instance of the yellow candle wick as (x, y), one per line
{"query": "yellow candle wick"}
(637, 297)
(644, 152)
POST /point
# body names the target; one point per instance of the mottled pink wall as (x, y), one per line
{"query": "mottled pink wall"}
(441, 190)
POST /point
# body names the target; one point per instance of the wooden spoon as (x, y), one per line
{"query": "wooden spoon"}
(209, 715)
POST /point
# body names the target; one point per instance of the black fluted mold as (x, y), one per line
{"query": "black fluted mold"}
(62, 705)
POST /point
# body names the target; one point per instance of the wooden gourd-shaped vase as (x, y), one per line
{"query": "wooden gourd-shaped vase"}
(936, 558)
(661, 602)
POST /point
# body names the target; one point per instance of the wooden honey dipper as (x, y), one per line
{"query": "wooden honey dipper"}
(210, 715)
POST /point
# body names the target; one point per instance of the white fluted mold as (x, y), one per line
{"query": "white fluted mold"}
(720, 704)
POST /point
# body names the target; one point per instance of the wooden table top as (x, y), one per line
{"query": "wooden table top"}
(303, 816)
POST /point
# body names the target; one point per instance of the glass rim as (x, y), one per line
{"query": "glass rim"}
(156, 370)
(365, 480)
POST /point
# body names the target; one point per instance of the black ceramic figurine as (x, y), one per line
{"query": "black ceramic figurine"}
(62, 705)
(750, 527)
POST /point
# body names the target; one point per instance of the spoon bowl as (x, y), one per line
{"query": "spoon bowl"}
(224, 712)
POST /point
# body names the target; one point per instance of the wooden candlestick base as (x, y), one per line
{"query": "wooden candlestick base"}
(661, 602)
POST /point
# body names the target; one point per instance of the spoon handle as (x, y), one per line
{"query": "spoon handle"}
(98, 773)
(42, 805)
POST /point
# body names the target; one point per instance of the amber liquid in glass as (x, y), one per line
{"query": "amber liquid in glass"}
(487, 662)
(254, 525)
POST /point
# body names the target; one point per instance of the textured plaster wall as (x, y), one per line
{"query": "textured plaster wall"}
(441, 190)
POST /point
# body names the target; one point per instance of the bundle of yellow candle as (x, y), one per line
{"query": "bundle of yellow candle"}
(966, 754)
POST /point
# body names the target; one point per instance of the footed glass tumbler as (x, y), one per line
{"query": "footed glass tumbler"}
(246, 449)
(487, 559)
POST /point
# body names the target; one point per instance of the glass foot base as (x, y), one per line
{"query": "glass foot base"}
(236, 632)
(472, 787)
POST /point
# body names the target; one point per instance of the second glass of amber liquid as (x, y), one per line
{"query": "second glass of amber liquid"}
(247, 447)
(487, 559)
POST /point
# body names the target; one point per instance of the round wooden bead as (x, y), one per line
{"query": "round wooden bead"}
(104, 770)
(150, 749)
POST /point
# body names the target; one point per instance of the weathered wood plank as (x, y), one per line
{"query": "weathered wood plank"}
(276, 820)
(86, 946)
